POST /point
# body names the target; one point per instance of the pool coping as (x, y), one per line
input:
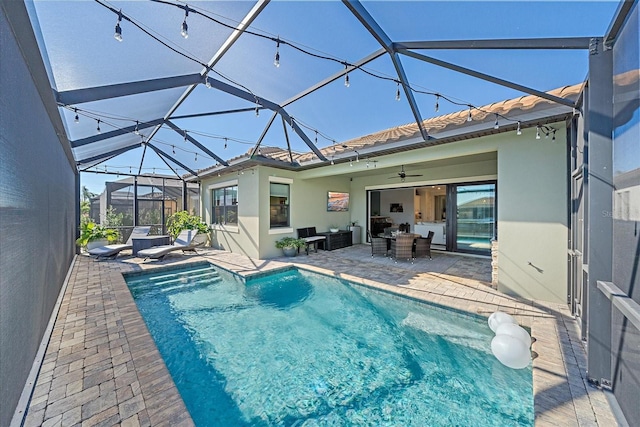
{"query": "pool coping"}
(562, 395)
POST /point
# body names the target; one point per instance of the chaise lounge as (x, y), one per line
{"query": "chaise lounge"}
(187, 240)
(112, 251)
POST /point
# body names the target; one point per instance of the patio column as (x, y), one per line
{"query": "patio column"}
(135, 201)
(599, 221)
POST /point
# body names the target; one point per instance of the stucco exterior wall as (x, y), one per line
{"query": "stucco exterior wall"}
(253, 236)
(531, 191)
(533, 219)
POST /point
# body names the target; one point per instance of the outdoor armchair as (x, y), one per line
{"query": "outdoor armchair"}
(423, 246)
(402, 246)
(379, 245)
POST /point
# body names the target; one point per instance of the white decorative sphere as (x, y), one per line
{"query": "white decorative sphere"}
(499, 317)
(510, 351)
(515, 331)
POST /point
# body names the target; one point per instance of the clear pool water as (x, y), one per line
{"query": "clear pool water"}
(296, 348)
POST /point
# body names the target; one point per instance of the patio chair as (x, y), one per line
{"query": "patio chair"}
(112, 251)
(186, 241)
(310, 237)
(379, 245)
(422, 246)
(402, 246)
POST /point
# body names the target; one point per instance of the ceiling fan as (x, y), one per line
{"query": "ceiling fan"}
(402, 174)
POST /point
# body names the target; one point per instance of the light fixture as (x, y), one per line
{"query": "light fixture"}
(276, 60)
(346, 77)
(397, 91)
(118, 32)
(518, 131)
(77, 118)
(496, 125)
(553, 136)
(98, 127)
(332, 162)
(225, 143)
(350, 162)
(196, 159)
(437, 107)
(538, 132)
(357, 156)
(469, 115)
(257, 106)
(136, 131)
(207, 83)
(184, 29)
(185, 135)
(173, 149)
(367, 163)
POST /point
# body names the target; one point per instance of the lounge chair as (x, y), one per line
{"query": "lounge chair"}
(112, 251)
(186, 241)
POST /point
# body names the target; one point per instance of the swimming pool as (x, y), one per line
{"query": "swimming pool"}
(297, 348)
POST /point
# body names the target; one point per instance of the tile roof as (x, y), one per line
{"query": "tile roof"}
(455, 125)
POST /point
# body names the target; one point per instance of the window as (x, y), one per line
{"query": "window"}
(225, 205)
(278, 205)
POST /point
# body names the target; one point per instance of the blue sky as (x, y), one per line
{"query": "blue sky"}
(328, 28)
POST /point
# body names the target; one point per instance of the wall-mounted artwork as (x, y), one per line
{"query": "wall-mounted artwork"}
(337, 201)
(396, 207)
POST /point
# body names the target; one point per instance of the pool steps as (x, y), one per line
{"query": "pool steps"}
(204, 277)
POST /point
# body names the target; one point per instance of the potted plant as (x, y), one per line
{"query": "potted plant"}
(182, 220)
(94, 235)
(290, 245)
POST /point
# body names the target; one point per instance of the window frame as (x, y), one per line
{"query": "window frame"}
(226, 226)
(281, 229)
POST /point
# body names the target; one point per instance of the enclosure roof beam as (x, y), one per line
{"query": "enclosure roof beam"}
(378, 33)
(104, 155)
(375, 55)
(488, 78)
(79, 96)
(499, 44)
(116, 132)
(247, 96)
(196, 143)
(163, 154)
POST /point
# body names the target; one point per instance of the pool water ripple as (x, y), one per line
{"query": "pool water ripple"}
(298, 348)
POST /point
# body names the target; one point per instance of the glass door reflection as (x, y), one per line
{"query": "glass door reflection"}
(476, 216)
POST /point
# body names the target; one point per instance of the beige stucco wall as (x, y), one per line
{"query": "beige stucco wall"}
(532, 219)
(531, 193)
(253, 236)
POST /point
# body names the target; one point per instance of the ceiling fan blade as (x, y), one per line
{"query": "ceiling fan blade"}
(412, 175)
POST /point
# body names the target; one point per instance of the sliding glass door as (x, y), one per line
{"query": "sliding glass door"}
(474, 224)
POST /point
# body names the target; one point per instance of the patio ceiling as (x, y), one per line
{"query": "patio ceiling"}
(195, 102)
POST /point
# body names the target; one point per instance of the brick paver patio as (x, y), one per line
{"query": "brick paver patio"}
(102, 367)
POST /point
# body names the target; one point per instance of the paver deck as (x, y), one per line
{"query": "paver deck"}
(102, 367)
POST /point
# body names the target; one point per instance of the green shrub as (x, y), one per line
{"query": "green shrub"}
(184, 221)
(290, 242)
(90, 231)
